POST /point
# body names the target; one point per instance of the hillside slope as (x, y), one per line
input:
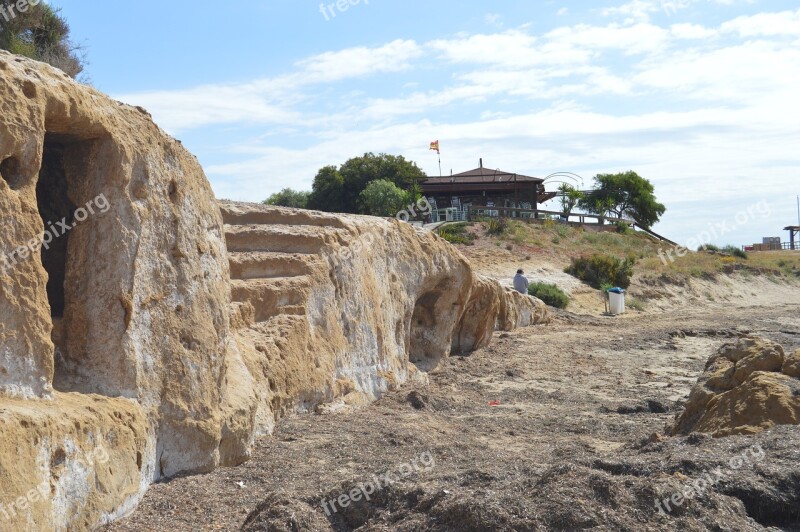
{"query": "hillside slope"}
(697, 279)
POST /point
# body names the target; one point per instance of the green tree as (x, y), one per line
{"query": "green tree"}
(40, 33)
(327, 191)
(340, 189)
(289, 198)
(624, 194)
(383, 198)
(570, 196)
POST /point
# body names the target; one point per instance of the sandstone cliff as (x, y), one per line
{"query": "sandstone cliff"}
(146, 332)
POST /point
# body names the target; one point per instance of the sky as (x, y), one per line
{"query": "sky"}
(698, 96)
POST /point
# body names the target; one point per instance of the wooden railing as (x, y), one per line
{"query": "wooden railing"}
(537, 214)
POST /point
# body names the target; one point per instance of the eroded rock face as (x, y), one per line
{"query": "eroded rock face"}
(122, 333)
(113, 281)
(379, 301)
(748, 386)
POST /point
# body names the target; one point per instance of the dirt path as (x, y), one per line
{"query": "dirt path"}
(581, 389)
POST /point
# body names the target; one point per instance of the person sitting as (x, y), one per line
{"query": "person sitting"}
(521, 282)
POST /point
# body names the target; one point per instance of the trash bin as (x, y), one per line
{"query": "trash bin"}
(616, 300)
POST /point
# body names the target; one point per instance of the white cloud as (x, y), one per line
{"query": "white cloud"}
(705, 111)
(360, 61)
(494, 19)
(692, 32)
(269, 101)
(766, 24)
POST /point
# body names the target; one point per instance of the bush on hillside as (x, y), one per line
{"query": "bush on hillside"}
(735, 251)
(496, 226)
(550, 294)
(456, 233)
(602, 270)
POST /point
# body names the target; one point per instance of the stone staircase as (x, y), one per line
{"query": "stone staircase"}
(273, 255)
(331, 306)
(278, 272)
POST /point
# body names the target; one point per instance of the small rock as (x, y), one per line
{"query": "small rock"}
(417, 400)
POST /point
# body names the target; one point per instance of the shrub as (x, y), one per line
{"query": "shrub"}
(550, 294)
(736, 252)
(456, 234)
(708, 247)
(601, 270)
(288, 197)
(496, 226)
(383, 198)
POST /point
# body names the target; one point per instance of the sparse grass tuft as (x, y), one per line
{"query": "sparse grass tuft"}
(634, 303)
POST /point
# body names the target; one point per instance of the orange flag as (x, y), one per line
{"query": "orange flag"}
(435, 146)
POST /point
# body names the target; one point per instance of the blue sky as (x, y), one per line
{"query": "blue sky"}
(699, 96)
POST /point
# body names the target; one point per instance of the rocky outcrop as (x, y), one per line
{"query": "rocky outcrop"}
(379, 301)
(136, 324)
(748, 386)
(114, 301)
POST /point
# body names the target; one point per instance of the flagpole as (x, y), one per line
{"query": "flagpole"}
(440, 163)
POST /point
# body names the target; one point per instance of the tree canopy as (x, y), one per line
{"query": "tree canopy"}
(624, 194)
(41, 33)
(289, 198)
(339, 189)
(383, 198)
(570, 196)
(327, 191)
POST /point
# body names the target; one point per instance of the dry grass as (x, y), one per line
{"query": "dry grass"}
(562, 242)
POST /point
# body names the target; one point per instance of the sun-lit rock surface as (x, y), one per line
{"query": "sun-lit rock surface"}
(167, 339)
(748, 386)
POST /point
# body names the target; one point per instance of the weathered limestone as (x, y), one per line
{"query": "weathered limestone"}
(138, 302)
(380, 302)
(125, 337)
(74, 462)
(748, 386)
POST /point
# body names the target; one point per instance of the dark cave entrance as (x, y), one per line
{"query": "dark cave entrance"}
(57, 213)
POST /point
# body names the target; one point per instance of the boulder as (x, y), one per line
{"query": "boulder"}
(748, 386)
(791, 366)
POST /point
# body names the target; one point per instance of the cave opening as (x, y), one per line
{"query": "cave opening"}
(423, 349)
(57, 211)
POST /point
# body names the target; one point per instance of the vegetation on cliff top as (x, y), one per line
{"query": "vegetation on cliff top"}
(41, 33)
